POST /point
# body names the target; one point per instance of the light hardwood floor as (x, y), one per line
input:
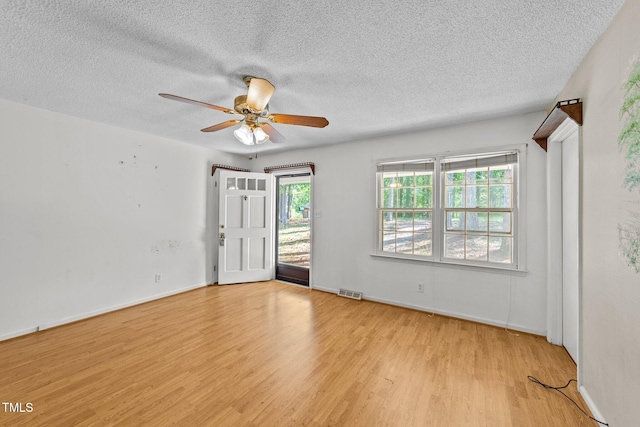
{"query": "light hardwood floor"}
(272, 354)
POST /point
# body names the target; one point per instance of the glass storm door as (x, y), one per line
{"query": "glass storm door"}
(293, 228)
(245, 227)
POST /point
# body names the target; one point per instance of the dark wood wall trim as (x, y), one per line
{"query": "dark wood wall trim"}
(292, 166)
(564, 109)
(231, 168)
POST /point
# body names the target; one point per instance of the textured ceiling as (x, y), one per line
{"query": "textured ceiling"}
(371, 68)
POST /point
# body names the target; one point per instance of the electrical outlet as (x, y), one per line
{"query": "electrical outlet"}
(158, 278)
(420, 287)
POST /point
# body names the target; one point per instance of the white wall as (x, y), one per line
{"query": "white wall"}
(344, 234)
(610, 287)
(89, 213)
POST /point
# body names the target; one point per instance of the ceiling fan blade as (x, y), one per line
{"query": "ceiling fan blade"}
(221, 126)
(191, 101)
(260, 91)
(289, 119)
(274, 135)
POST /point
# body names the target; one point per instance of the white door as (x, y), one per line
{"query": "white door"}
(245, 228)
(570, 243)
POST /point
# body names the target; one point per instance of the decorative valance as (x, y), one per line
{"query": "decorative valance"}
(231, 168)
(564, 109)
(309, 165)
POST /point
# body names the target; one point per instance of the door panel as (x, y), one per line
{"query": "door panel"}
(233, 255)
(256, 254)
(257, 218)
(233, 213)
(245, 229)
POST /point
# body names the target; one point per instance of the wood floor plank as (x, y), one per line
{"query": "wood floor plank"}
(271, 354)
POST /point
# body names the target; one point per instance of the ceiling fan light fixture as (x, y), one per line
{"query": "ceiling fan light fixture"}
(260, 135)
(244, 135)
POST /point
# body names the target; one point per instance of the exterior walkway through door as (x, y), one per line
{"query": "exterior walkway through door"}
(293, 228)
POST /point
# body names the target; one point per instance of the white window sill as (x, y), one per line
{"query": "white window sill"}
(448, 263)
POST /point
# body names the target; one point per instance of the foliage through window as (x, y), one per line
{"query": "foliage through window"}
(450, 208)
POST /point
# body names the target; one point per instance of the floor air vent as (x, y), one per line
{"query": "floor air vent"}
(350, 294)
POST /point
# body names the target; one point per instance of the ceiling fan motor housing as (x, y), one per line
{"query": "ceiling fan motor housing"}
(240, 104)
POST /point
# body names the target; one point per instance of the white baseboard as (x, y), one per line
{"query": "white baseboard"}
(591, 404)
(60, 322)
(18, 333)
(319, 288)
(445, 313)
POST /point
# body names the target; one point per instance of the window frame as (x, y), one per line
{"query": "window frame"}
(380, 209)
(438, 227)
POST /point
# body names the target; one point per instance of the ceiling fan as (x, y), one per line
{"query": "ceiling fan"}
(254, 106)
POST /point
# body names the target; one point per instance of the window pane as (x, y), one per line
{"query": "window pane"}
(454, 197)
(404, 221)
(424, 197)
(500, 196)
(423, 179)
(231, 183)
(500, 222)
(477, 221)
(454, 178)
(455, 221)
(477, 196)
(389, 179)
(500, 174)
(422, 244)
(422, 221)
(389, 241)
(405, 179)
(389, 197)
(478, 176)
(388, 220)
(454, 246)
(405, 198)
(476, 248)
(404, 243)
(500, 249)
(241, 184)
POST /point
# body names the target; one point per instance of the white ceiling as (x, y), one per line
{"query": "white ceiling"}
(371, 68)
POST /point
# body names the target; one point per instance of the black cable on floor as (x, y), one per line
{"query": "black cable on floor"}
(559, 390)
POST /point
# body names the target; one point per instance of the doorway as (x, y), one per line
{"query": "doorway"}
(293, 228)
(570, 243)
(563, 240)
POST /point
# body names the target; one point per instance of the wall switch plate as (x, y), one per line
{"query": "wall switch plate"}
(158, 278)
(420, 287)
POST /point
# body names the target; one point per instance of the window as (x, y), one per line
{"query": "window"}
(479, 207)
(456, 209)
(405, 209)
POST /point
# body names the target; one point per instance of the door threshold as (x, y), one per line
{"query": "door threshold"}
(292, 283)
